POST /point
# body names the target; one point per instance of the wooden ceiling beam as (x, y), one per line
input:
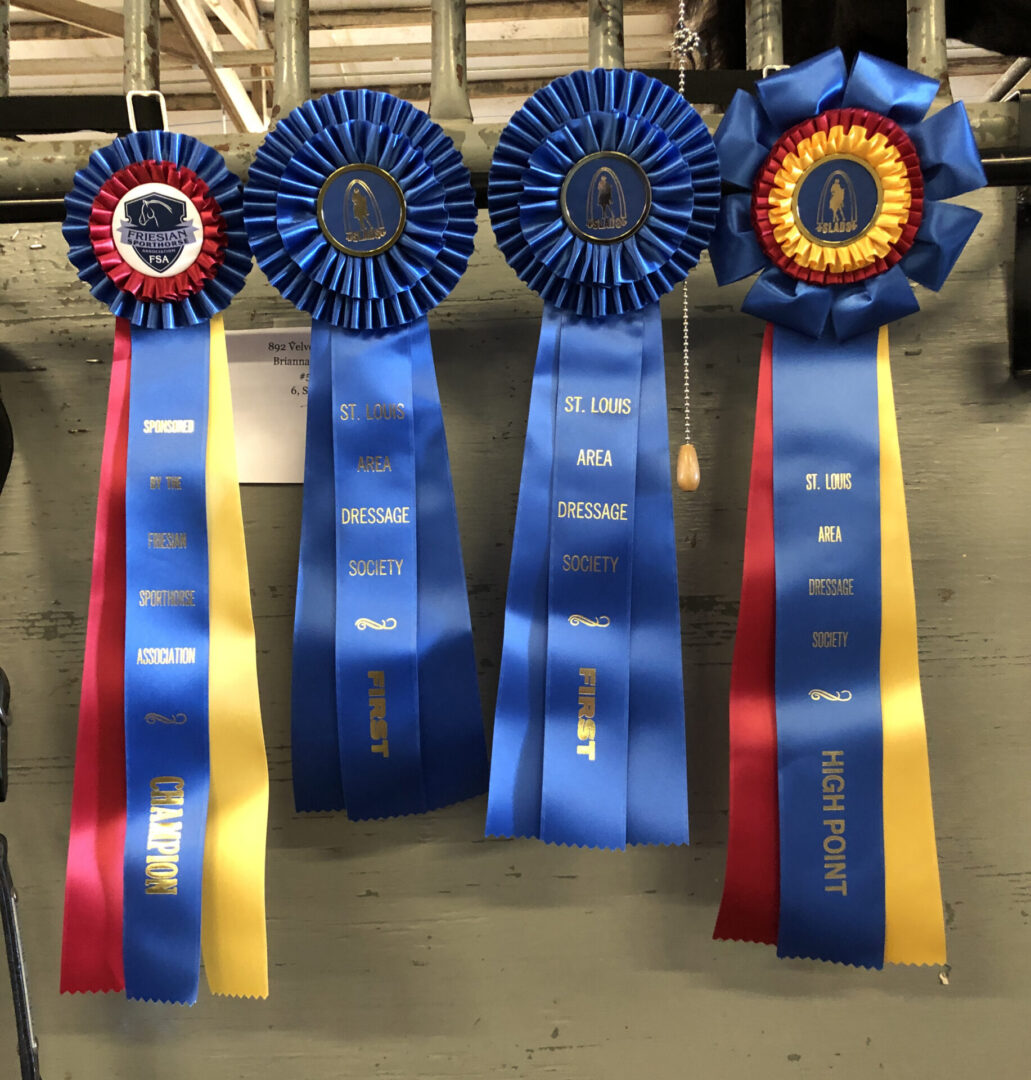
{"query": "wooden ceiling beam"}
(530, 47)
(225, 82)
(239, 23)
(100, 21)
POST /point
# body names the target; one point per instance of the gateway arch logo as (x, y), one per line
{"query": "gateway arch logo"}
(363, 219)
(838, 208)
(606, 201)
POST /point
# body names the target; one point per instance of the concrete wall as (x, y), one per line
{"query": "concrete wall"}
(416, 949)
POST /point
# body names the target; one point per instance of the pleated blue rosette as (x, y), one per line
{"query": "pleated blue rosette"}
(585, 113)
(603, 193)
(949, 163)
(228, 270)
(289, 170)
(385, 705)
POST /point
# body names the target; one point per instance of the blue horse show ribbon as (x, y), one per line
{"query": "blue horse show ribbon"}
(826, 499)
(603, 192)
(839, 182)
(166, 662)
(360, 212)
(154, 224)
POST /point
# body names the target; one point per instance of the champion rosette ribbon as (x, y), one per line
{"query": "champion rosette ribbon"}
(360, 212)
(603, 192)
(166, 862)
(840, 183)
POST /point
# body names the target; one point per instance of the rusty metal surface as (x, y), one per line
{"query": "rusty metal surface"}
(45, 169)
(141, 45)
(414, 949)
(5, 47)
(605, 33)
(764, 34)
(925, 36)
(449, 91)
(291, 69)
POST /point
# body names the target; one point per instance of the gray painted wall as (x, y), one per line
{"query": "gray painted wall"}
(416, 949)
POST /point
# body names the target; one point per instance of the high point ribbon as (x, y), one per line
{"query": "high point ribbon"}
(360, 211)
(603, 192)
(831, 849)
(166, 862)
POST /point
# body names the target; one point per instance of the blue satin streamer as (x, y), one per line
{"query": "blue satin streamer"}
(454, 751)
(656, 771)
(315, 745)
(543, 781)
(587, 699)
(829, 741)
(377, 612)
(517, 757)
(386, 706)
(166, 665)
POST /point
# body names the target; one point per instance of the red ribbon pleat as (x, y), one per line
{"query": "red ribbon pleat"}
(91, 955)
(750, 907)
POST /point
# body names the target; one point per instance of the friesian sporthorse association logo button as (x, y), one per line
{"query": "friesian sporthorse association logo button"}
(157, 230)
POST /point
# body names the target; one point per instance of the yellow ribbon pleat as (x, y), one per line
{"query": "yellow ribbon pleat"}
(914, 925)
(233, 915)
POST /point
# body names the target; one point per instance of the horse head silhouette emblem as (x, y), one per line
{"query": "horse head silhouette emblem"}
(157, 227)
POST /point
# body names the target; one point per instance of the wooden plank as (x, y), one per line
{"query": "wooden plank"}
(389, 15)
(522, 47)
(226, 84)
(238, 22)
(101, 21)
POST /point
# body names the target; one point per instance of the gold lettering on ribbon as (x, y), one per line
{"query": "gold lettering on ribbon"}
(585, 620)
(835, 865)
(160, 718)
(826, 695)
(378, 728)
(586, 723)
(164, 835)
(374, 624)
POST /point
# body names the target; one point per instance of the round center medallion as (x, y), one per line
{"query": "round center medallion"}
(605, 197)
(837, 200)
(361, 210)
(157, 230)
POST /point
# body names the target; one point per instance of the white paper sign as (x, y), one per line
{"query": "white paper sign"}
(268, 371)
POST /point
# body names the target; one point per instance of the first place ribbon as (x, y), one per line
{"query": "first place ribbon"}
(166, 861)
(831, 849)
(360, 211)
(603, 192)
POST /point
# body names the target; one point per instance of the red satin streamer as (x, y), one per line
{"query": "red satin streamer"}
(750, 907)
(91, 955)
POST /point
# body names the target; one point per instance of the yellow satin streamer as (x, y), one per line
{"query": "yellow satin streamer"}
(233, 939)
(914, 926)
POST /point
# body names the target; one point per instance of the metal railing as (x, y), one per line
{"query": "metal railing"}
(44, 170)
(291, 69)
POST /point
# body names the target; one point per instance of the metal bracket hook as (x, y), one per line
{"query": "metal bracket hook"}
(130, 104)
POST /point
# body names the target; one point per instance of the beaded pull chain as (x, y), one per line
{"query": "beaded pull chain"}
(686, 41)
